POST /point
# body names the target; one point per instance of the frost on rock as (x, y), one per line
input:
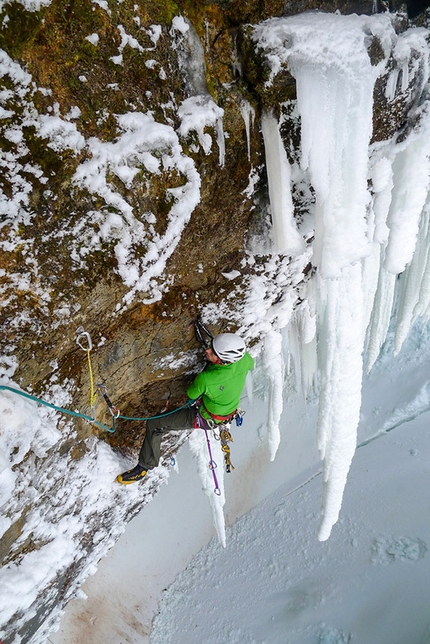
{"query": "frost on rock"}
(152, 147)
(69, 532)
(199, 111)
(196, 114)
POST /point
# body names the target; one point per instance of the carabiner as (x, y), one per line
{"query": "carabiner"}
(82, 334)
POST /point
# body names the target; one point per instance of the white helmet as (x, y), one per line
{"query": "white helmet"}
(229, 347)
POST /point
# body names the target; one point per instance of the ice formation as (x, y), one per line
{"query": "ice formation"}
(286, 238)
(210, 466)
(364, 237)
(248, 115)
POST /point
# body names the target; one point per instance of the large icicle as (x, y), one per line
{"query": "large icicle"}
(342, 330)
(286, 238)
(335, 102)
(328, 57)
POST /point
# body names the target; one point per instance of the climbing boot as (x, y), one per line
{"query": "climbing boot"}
(131, 476)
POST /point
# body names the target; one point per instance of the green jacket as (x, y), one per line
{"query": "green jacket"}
(221, 385)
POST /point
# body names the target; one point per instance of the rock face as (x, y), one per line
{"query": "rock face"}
(123, 214)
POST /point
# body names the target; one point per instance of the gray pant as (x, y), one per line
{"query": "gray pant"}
(179, 420)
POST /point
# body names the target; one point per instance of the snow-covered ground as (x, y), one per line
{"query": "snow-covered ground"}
(275, 582)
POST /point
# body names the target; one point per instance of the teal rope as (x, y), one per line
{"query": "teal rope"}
(166, 413)
(91, 420)
(64, 411)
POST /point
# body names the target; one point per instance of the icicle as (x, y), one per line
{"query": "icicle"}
(335, 103)
(249, 387)
(411, 173)
(286, 237)
(199, 449)
(381, 314)
(248, 115)
(220, 140)
(335, 78)
(302, 343)
(370, 278)
(336, 114)
(413, 287)
(273, 365)
(423, 305)
(391, 86)
(382, 182)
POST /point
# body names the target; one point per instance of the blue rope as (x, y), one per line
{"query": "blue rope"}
(84, 416)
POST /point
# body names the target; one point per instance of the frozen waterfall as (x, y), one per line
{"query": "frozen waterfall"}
(371, 206)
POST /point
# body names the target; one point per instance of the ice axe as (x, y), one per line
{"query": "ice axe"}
(203, 335)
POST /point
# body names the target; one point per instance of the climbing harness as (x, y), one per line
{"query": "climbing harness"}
(220, 427)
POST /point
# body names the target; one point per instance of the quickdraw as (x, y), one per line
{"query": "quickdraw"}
(83, 340)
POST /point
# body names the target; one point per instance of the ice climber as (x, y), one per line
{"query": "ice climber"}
(216, 392)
